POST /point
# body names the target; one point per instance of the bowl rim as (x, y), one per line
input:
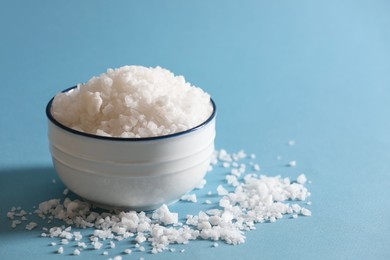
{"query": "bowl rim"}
(126, 139)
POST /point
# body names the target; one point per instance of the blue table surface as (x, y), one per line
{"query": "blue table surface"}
(317, 72)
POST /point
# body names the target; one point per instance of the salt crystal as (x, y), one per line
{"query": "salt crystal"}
(15, 222)
(189, 197)
(291, 143)
(301, 179)
(97, 245)
(11, 214)
(76, 252)
(66, 191)
(140, 238)
(31, 225)
(292, 164)
(222, 191)
(207, 202)
(112, 244)
(305, 212)
(82, 244)
(201, 184)
(165, 216)
(226, 164)
(60, 250)
(127, 251)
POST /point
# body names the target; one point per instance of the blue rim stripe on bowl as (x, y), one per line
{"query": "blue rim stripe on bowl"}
(54, 121)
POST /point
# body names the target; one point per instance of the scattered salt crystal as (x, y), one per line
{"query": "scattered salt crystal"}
(301, 179)
(207, 202)
(308, 203)
(292, 164)
(31, 225)
(215, 245)
(305, 212)
(112, 244)
(118, 257)
(238, 212)
(53, 243)
(127, 251)
(189, 197)
(76, 252)
(182, 251)
(60, 250)
(201, 184)
(253, 156)
(77, 236)
(105, 253)
(140, 238)
(97, 245)
(66, 191)
(226, 164)
(291, 142)
(82, 244)
(11, 214)
(256, 167)
(222, 191)
(165, 216)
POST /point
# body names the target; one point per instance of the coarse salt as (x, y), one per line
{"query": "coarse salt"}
(252, 199)
(189, 197)
(133, 101)
(292, 163)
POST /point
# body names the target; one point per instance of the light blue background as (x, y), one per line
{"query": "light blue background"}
(317, 72)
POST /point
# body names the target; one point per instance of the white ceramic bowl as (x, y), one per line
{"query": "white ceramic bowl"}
(131, 173)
